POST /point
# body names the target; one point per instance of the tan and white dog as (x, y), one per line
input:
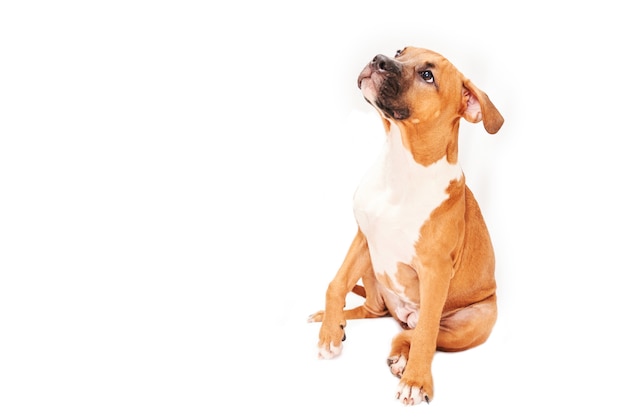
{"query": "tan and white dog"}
(422, 249)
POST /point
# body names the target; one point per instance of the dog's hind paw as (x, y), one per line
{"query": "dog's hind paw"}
(316, 317)
(396, 365)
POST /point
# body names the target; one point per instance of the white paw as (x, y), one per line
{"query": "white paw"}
(410, 395)
(330, 351)
(397, 365)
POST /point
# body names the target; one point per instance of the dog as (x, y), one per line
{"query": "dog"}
(422, 248)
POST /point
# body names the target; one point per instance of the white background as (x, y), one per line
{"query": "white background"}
(175, 195)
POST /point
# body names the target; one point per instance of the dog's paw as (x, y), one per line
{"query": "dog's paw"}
(396, 365)
(414, 390)
(399, 354)
(316, 317)
(331, 338)
(329, 351)
(411, 394)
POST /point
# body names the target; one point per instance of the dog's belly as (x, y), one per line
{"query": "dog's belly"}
(393, 202)
(400, 307)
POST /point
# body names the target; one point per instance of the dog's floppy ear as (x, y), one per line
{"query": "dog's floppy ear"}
(478, 107)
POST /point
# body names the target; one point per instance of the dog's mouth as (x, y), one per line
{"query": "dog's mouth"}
(380, 83)
(365, 76)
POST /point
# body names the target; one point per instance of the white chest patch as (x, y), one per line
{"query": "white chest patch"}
(395, 199)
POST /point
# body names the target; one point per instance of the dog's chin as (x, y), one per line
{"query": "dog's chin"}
(390, 112)
(395, 113)
(369, 89)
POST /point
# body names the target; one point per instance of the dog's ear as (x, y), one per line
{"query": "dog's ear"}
(478, 107)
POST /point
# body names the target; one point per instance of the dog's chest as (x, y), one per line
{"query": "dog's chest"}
(395, 199)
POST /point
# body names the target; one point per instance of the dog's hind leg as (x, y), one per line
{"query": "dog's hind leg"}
(459, 330)
(356, 313)
(467, 327)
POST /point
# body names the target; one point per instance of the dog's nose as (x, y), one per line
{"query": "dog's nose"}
(385, 64)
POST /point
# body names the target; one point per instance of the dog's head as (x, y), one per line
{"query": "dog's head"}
(421, 86)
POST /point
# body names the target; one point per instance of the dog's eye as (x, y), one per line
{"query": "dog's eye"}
(398, 53)
(427, 76)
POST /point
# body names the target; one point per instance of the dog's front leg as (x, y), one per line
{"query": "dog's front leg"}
(355, 265)
(416, 383)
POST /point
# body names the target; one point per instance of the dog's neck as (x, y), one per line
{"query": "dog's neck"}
(427, 145)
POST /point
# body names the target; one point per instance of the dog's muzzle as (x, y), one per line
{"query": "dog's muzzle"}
(386, 76)
(381, 64)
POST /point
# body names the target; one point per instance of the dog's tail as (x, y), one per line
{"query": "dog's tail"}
(359, 290)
